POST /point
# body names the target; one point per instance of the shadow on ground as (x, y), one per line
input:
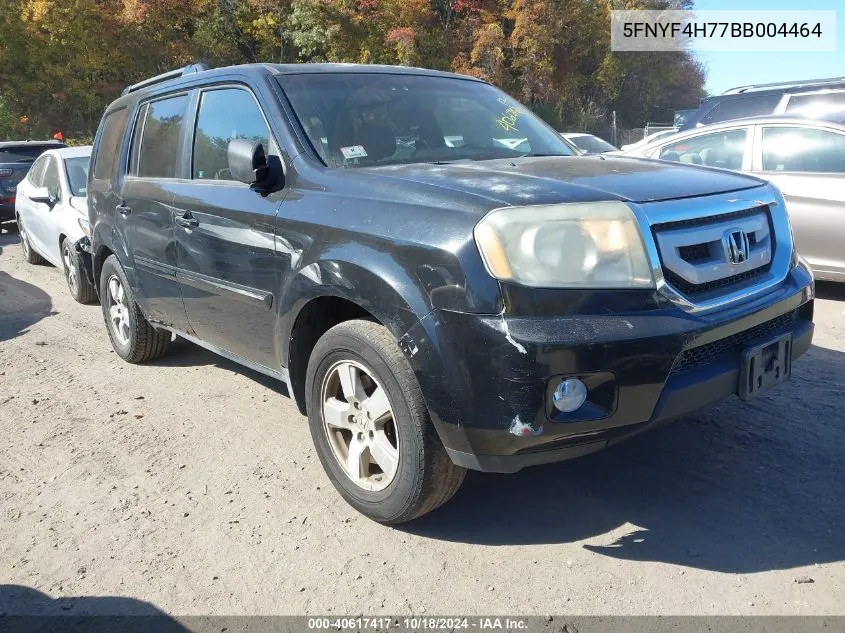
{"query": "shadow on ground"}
(183, 353)
(741, 487)
(26, 610)
(21, 304)
(830, 290)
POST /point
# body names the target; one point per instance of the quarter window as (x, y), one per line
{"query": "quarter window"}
(36, 172)
(803, 149)
(159, 149)
(51, 178)
(108, 150)
(225, 115)
(717, 149)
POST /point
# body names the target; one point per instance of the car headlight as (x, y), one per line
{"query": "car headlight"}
(583, 245)
(85, 225)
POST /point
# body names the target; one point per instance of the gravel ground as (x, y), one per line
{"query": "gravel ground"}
(190, 483)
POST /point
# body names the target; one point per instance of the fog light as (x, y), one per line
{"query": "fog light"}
(569, 395)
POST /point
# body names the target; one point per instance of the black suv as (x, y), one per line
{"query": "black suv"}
(438, 281)
(16, 157)
(815, 98)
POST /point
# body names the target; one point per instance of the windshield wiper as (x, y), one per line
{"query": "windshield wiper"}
(540, 155)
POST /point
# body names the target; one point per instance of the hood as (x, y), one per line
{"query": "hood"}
(550, 180)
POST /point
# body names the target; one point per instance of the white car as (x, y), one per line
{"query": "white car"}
(649, 139)
(588, 143)
(52, 213)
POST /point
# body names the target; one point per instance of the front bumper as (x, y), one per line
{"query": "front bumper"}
(488, 394)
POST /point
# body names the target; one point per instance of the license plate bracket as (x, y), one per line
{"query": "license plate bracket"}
(765, 365)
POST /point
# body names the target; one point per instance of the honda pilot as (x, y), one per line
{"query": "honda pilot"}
(438, 281)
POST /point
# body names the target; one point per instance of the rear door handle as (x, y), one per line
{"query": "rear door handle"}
(123, 209)
(187, 220)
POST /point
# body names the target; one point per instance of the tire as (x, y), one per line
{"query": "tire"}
(134, 339)
(424, 477)
(81, 289)
(29, 253)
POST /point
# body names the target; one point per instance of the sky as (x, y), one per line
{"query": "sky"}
(728, 69)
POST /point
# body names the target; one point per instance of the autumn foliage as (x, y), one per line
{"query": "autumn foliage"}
(62, 61)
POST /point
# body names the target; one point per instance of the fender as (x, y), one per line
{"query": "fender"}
(105, 237)
(382, 288)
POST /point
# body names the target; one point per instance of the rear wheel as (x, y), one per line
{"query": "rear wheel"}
(371, 428)
(80, 287)
(28, 253)
(132, 336)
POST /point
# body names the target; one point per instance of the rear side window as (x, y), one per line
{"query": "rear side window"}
(161, 126)
(741, 107)
(216, 127)
(817, 105)
(108, 149)
(799, 149)
(717, 149)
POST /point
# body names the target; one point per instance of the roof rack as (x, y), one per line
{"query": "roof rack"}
(807, 83)
(173, 74)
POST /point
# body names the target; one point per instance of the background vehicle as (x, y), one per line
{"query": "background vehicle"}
(648, 140)
(815, 98)
(805, 159)
(588, 143)
(15, 160)
(52, 215)
(432, 307)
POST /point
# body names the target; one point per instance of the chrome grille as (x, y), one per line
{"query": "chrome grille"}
(701, 256)
(731, 346)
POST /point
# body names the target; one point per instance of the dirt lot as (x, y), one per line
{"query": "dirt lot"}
(191, 483)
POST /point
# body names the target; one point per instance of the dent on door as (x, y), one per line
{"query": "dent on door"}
(228, 268)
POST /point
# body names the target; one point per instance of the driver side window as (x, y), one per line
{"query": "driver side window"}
(216, 126)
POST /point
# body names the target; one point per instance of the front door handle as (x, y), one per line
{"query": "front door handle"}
(187, 220)
(122, 209)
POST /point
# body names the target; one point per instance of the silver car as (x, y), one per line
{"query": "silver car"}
(52, 213)
(804, 158)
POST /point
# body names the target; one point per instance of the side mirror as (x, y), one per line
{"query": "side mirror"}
(247, 161)
(42, 195)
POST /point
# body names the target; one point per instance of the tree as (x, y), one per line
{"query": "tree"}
(63, 61)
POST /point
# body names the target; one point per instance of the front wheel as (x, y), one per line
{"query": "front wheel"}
(371, 427)
(80, 288)
(132, 336)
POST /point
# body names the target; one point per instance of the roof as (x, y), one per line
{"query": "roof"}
(6, 144)
(791, 119)
(74, 152)
(323, 68)
(198, 72)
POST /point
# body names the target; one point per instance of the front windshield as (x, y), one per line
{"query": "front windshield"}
(373, 119)
(77, 175)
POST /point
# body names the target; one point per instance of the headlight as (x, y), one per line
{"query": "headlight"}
(585, 245)
(85, 225)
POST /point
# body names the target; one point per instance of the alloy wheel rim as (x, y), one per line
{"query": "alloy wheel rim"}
(359, 425)
(70, 269)
(118, 310)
